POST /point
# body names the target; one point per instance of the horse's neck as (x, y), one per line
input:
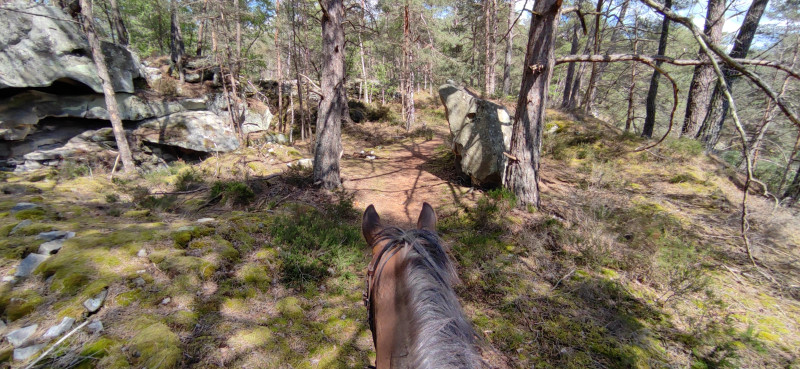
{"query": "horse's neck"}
(391, 316)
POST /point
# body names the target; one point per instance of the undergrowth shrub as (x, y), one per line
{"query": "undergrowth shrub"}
(680, 148)
(232, 193)
(188, 180)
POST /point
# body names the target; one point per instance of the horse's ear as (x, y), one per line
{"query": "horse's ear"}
(370, 225)
(427, 218)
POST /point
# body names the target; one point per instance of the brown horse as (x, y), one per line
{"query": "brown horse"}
(415, 317)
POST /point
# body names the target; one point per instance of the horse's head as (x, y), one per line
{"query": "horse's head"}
(371, 226)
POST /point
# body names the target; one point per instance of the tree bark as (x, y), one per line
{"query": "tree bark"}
(522, 172)
(652, 92)
(128, 165)
(509, 50)
(177, 48)
(408, 73)
(710, 129)
(793, 192)
(329, 117)
(297, 74)
(703, 78)
(279, 69)
(568, 84)
(590, 89)
(630, 115)
(119, 25)
(201, 29)
(490, 57)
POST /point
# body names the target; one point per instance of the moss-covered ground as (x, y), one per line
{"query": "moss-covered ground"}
(633, 260)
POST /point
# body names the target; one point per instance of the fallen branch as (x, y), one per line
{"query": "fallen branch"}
(49, 350)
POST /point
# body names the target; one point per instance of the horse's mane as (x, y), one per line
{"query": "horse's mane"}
(440, 335)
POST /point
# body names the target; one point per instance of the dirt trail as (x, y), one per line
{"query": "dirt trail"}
(400, 179)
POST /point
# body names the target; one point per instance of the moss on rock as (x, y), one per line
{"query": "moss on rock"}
(154, 345)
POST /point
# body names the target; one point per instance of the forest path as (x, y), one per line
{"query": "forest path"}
(408, 169)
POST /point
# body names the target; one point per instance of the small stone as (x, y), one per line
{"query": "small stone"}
(165, 301)
(141, 271)
(95, 326)
(29, 264)
(51, 247)
(9, 278)
(22, 354)
(59, 329)
(142, 253)
(94, 304)
(343, 317)
(54, 235)
(21, 336)
(24, 206)
(2, 326)
(19, 226)
(187, 228)
(205, 220)
(370, 157)
(139, 282)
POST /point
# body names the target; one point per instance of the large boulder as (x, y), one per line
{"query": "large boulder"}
(40, 45)
(200, 131)
(257, 116)
(20, 113)
(481, 134)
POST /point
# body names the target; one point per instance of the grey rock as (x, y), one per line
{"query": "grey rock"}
(54, 235)
(19, 226)
(481, 134)
(205, 220)
(94, 304)
(302, 163)
(95, 326)
(253, 120)
(189, 228)
(166, 301)
(142, 253)
(24, 206)
(19, 337)
(51, 247)
(139, 282)
(29, 264)
(25, 353)
(59, 329)
(194, 130)
(2, 326)
(9, 278)
(41, 44)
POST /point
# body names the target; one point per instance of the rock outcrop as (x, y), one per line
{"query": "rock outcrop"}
(481, 134)
(200, 131)
(40, 45)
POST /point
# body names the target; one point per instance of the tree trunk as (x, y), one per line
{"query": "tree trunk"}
(703, 77)
(522, 172)
(128, 165)
(490, 15)
(408, 73)
(329, 117)
(119, 25)
(568, 84)
(177, 49)
(589, 96)
(509, 49)
(631, 113)
(201, 29)
(652, 92)
(279, 69)
(710, 129)
(793, 192)
(297, 75)
(238, 18)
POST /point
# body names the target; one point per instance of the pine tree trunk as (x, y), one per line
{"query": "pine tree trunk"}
(329, 117)
(590, 89)
(710, 129)
(408, 73)
(201, 29)
(297, 75)
(793, 192)
(568, 84)
(703, 78)
(490, 58)
(652, 92)
(279, 69)
(119, 25)
(509, 50)
(177, 49)
(128, 165)
(522, 173)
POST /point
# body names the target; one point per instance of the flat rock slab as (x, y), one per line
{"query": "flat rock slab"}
(95, 327)
(54, 235)
(21, 336)
(51, 247)
(59, 329)
(94, 304)
(24, 206)
(25, 353)
(29, 264)
(19, 226)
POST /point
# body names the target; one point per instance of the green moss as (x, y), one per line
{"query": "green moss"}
(290, 307)
(155, 345)
(249, 339)
(254, 274)
(32, 229)
(99, 348)
(183, 319)
(767, 336)
(126, 298)
(182, 238)
(144, 213)
(32, 214)
(21, 303)
(178, 265)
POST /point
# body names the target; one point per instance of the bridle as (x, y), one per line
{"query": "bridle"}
(377, 263)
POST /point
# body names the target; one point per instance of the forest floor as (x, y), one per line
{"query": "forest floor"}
(634, 259)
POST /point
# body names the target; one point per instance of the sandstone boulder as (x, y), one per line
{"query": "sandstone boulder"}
(200, 131)
(481, 134)
(41, 45)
